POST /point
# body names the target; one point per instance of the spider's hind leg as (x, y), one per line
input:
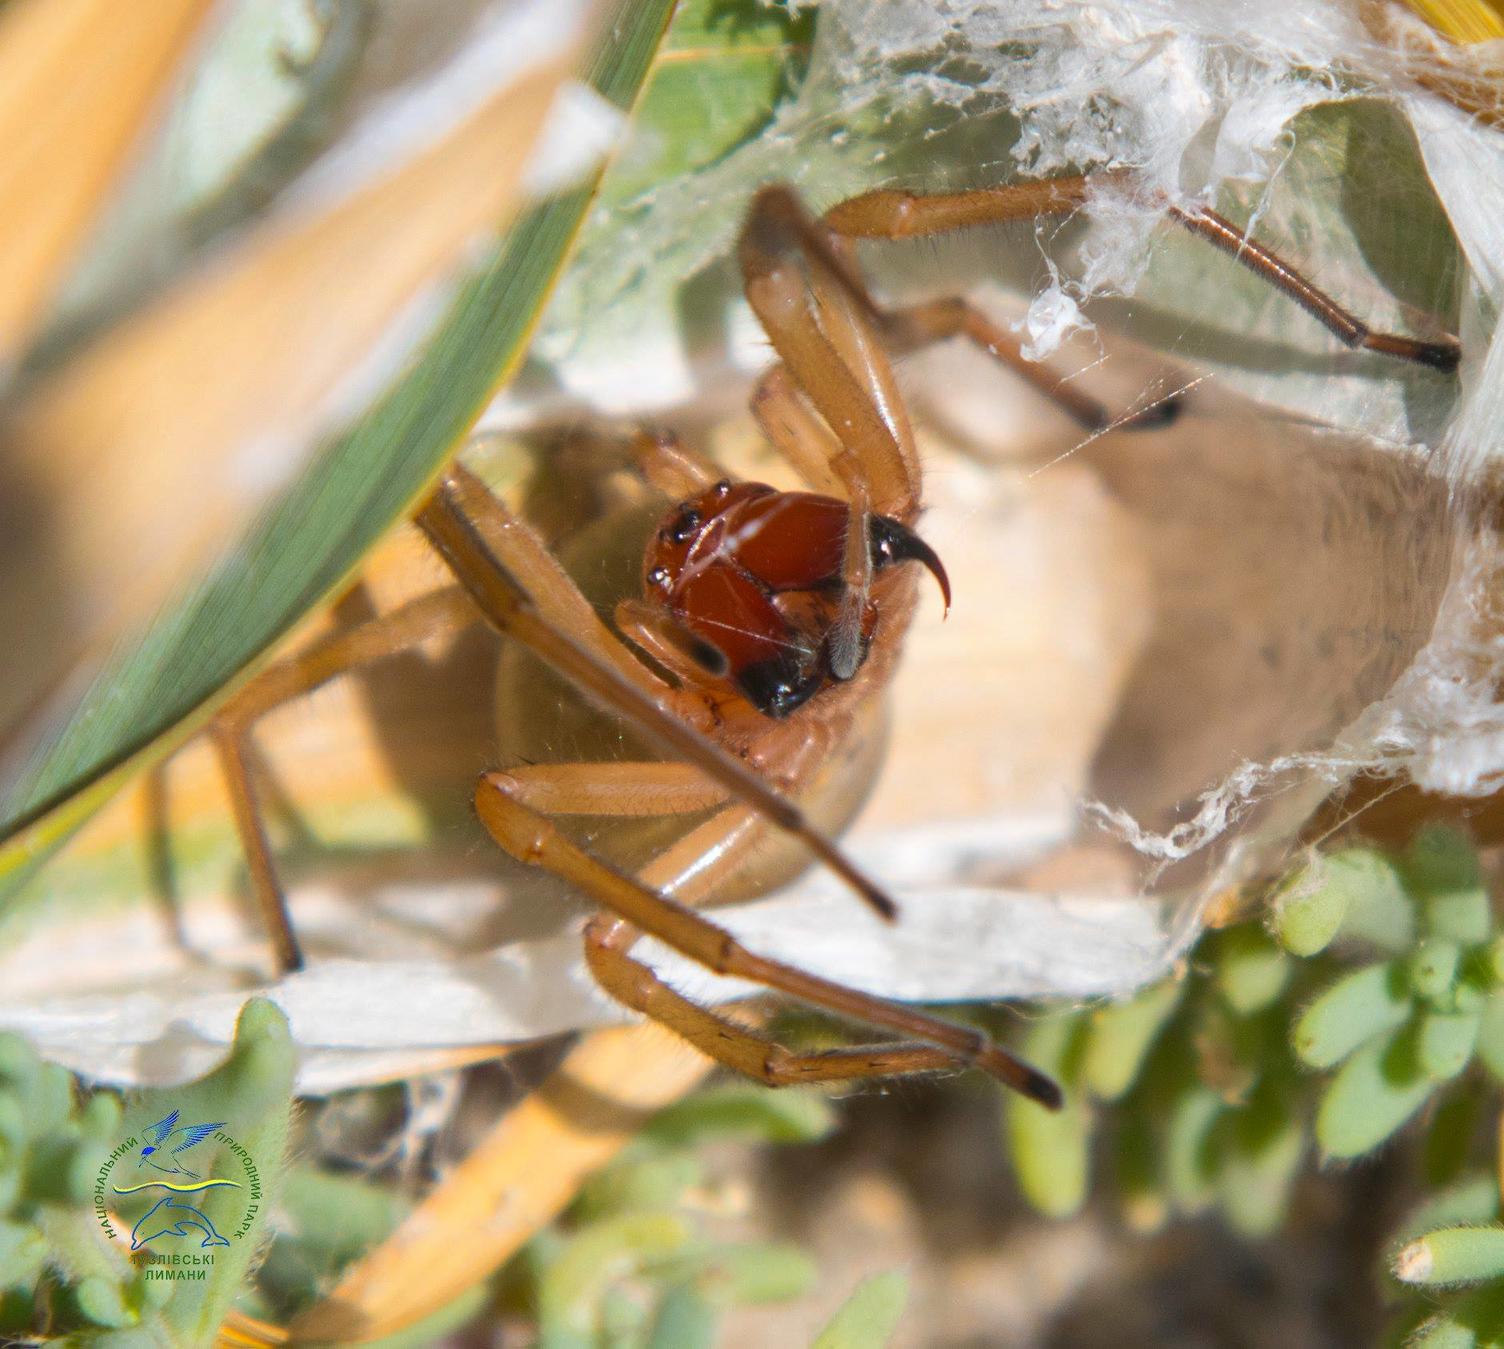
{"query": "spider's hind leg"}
(532, 838)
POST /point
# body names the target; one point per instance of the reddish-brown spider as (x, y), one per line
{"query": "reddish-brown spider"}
(768, 625)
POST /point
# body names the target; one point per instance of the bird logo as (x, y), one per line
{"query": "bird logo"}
(166, 1131)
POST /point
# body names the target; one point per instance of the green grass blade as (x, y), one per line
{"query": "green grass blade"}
(158, 691)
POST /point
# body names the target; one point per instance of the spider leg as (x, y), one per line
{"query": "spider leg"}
(825, 326)
(410, 625)
(673, 646)
(892, 214)
(618, 789)
(671, 466)
(534, 839)
(936, 320)
(887, 214)
(1348, 329)
(462, 519)
(728, 1042)
(797, 434)
(229, 744)
(689, 869)
(818, 318)
(514, 549)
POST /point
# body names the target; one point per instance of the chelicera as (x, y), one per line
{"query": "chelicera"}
(767, 628)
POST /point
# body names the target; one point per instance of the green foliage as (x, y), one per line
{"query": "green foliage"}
(1050, 1149)
(324, 1222)
(634, 1264)
(869, 1316)
(1375, 997)
(1206, 1086)
(62, 1275)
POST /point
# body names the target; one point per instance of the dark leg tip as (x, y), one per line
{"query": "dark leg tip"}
(1164, 413)
(1443, 356)
(1045, 1090)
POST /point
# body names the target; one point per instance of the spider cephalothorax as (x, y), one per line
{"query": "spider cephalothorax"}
(757, 578)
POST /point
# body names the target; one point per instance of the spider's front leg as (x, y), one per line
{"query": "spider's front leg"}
(890, 214)
(698, 862)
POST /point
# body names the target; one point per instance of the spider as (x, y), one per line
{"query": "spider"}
(768, 626)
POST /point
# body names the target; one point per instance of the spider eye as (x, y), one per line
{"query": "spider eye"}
(685, 526)
(722, 487)
(659, 577)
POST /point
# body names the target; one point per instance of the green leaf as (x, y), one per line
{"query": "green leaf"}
(1140, 1187)
(1433, 969)
(743, 1110)
(1250, 970)
(592, 1260)
(1261, 1155)
(684, 1320)
(1120, 1037)
(1050, 1150)
(23, 1254)
(250, 1096)
(325, 1221)
(153, 694)
(1451, 1256)
(1472, 1202)
(1381, 911)
(1476, 1319)
(723, 68)
(1449, 1136)
(1445, 1042)
(644, 1180)
(1491, 1035)
(99, 1302)
(1353, 1010)
(1441, 869)
(1442, 1332)
(752, 1272)
(1309, 906)
(1191, 1162)
(1375, 1092)
(869, 1316)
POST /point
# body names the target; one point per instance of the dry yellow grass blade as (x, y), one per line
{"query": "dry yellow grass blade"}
(245, 1332)
(1449, 46)
(1464, 21)
(518, 1179)
(77, 80)
(138, 460)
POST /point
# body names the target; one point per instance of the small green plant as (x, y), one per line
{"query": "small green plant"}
(631, 1266)
(67, 1271)
(1451, 1251)
(1374, 995)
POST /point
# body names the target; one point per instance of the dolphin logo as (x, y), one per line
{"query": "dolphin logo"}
(167, 1217)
